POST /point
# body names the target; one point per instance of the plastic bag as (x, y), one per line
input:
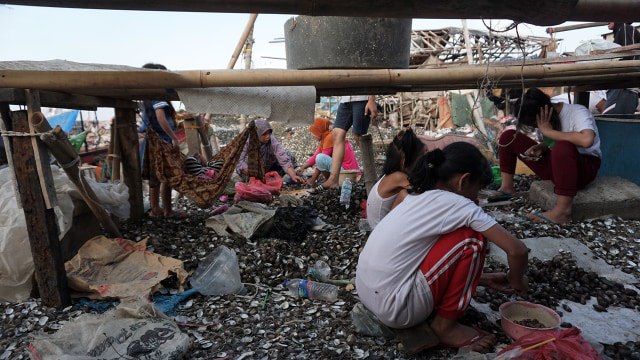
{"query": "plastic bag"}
(587, 46)
(218, 274)
(368, 324)
(272, 182)
(568, 344)
(114, 197)
(252, 192)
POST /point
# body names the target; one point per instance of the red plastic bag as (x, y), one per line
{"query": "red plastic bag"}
(568, 344)
(272, 182)
(252, 192)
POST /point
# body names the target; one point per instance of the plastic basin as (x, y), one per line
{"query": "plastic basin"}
(520, 310)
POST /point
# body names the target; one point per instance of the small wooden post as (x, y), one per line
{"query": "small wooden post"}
(114, 152)
(203, 132)
(193, 138)
(41, 154)
(370, 176)
(41, 222)
(129, 151)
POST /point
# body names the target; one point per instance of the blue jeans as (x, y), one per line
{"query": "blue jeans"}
(323, 163)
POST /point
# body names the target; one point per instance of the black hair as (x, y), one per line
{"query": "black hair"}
(442, 165)
(534, 100)
(172, 110)
(403, 152)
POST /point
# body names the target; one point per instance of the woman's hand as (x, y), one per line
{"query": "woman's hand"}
(543, 119)
(536, 151)
(519, 285)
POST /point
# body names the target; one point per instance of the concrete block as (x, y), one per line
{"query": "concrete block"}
(604, 196)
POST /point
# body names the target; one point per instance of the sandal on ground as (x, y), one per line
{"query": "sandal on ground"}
(538, 217)
(500, 196)
(472, 341)
(318, 189)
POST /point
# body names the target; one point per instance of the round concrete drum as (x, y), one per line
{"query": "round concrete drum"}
(335, 42)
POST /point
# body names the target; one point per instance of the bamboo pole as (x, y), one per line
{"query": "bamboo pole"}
(67, 156)
(553, 12)
(248, 29)
(557, 29)
(153, 79)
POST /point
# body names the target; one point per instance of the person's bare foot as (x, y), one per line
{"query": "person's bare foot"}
(157, 213)
(455, 335)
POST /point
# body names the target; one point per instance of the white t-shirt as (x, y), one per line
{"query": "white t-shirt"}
(575, 118)
(388, 276)
(378, 207)
(594, 98)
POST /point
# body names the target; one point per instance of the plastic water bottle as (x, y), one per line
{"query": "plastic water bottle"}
(312, 290)
(345, 193)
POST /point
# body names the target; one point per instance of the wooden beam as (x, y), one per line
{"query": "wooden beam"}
(64, 100)
(538, 12)
(41, 222)
(370, 176)
(192, 135)
(130, 159)
(40, 153)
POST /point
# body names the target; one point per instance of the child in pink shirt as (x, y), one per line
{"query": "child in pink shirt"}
(322, 157)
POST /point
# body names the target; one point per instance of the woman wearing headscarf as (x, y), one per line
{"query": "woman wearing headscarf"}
(274, 156)
(322, 157)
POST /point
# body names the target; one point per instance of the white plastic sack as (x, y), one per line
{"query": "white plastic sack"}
(16, 262)
(137, 332)
(114, 197)
(587, 46)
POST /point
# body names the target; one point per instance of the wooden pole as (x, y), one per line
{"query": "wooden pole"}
(553, 12)
(41, 154)
(557, 29)
(114, 152)
(41, 222)
(370, 176)
(248, 29)
(150, 79)
(193, 137)
(129, 150)
(467, 41)
(203, 131)
(58, 143)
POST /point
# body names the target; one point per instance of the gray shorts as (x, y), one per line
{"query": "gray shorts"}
(352, 114)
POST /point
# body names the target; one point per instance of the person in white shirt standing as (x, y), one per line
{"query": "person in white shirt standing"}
(425, 258)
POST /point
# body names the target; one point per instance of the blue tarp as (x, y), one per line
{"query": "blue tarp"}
(65, 120)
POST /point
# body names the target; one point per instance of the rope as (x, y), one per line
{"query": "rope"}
(17, 133)
(70, 163)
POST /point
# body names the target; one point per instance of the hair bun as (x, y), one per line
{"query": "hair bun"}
(435, 158)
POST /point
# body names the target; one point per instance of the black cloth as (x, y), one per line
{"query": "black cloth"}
(625, 34)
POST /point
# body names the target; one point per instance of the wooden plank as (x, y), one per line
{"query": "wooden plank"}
(6, 124)
(64, 100)
(41, 222)
(40, 153)
(538, 13)
(370, 176)
(193, 138)
(130, 159)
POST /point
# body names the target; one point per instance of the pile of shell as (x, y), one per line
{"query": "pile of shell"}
(268, 322)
